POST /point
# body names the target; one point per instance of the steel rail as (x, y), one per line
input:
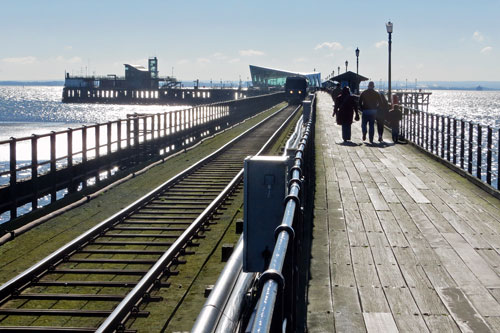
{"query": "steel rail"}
(121, 312)
(16, 283)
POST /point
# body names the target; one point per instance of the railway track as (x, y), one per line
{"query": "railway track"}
(105, 276)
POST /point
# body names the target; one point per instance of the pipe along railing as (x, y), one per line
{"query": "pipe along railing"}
(42, 169)
(472, 147)
(279, 285)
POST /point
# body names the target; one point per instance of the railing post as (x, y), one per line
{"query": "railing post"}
(34, 171)
(118, 135)
(109, 137)
(53, 167)
(97, 141)
(13, 178)
(479, 151)
(488, 156)
(442, 138)
(462, 143)
(448, 138)
(454, 141)
(432, 133)
(471, 138)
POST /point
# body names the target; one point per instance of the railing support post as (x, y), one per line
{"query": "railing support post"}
(489, 155)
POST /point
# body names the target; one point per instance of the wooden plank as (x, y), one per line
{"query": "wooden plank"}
(353, 220)
(437, 219)
(372, 299)
(370, 218)
(412, 190)
(441, 323)
(474, 261)
(347, 310)
(494, 323)
(491, 257)
(364, 269)
(380, 322)
(360, 192)
(404, 220)
(483, 301)
(377, 199)
(388, 222)
(401, 301)
(411, 323)
(388, 193)
(464, 313)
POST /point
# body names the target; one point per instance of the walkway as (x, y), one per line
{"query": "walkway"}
(401, 242)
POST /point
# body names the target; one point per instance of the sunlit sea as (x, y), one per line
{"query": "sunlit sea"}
(36, 110)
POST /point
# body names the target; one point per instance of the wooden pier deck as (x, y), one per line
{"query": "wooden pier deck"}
(400, 242)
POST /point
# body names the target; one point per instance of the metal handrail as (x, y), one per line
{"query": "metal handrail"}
(272, 281)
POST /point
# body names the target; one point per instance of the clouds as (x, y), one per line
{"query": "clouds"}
(329, 45)
(477, 36)
(72, 60)
(381, 44)
(486, 50)
(21, 60)
(251, 53)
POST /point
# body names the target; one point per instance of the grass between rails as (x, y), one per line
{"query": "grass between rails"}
(206, 269)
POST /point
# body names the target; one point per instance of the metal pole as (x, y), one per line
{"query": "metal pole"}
(389, 85)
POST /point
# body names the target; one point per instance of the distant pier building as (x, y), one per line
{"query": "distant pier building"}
(274, 79)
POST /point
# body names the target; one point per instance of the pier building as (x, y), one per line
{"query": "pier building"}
(269, 78)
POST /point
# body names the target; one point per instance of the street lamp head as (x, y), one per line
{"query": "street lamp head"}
(357, 52)
(346, 63)
(388, 26)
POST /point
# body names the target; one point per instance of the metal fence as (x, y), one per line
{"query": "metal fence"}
(473, 147)
(41, 169)
(279, 285)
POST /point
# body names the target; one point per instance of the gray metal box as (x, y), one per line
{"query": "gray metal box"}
(306, 110)
(264, 190)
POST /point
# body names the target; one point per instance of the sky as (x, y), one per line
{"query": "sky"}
(440, 40)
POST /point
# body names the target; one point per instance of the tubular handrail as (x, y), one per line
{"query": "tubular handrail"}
(272, 281)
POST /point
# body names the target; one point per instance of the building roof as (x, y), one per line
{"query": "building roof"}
(348, 76)
(138, 67)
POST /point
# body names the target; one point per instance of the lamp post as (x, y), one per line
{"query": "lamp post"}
(357, 70)
(389, 26)
(346, 63)
(338, 70)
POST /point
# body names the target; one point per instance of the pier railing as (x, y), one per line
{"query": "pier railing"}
(470, 146)
(41, 169)
(280, 285)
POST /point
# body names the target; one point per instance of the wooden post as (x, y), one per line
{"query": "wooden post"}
(13, 178)
(84, 144)
(97, 141)
(454, 141)
(53, 167)
(34, 171)
(427, 131)
(118, 135)
(448, 137)
(109, 138)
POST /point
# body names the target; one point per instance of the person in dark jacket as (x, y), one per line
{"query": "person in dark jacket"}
(382, 111)
(369, 102)
(345, 108)
(336, 92)
(395, 116)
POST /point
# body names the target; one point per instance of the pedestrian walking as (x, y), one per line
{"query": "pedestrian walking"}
(369, 102)
(395, 116)
(345, 108)
(382, 111)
